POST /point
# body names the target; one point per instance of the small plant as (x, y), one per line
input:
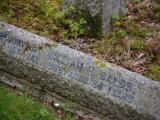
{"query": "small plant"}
(114, 18)
(119, 50)
(4, 5)
(153, 72)
(76, 28)
(118, 33)
(135, 29)
(74, 22)
(73, 26)
(138, 44)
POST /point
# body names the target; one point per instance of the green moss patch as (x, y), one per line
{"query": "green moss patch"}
(154, 71)
(100, 63)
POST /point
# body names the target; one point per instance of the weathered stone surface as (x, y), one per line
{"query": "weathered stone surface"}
(97, 85)
(103, 8)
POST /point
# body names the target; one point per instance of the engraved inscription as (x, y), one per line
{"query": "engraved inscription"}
(11, 39)
(80, 69)
(2, 37)
(68, 61)
(77, 76)
(97, 85)
(59, 69)
(120, 88)
(14, 50)
(32, 57)
(122, 95)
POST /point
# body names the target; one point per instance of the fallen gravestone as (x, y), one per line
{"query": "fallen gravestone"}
(92, 83)
(100, 9)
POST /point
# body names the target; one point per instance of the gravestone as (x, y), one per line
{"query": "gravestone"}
(95, 84)
(100, 8)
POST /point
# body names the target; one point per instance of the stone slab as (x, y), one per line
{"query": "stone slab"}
(103, 8)
(105, 88)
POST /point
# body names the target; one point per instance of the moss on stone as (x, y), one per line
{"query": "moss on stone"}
(96, 27)
(100, 63)
(51, 44)
(94, 24)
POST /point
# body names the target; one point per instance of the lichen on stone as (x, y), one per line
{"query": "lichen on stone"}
(49, 44)
(100, 63)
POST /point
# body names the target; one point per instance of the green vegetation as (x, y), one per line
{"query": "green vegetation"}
(131, 45)
(48, 17)
(100, 63)
(44, 17)
(138, 44)
(21, 107)
(154, 71)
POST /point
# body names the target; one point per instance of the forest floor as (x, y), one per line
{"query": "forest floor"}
(133, 43)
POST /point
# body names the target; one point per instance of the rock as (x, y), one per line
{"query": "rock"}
(100, 8)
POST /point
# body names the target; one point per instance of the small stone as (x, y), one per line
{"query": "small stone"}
(56, 104)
